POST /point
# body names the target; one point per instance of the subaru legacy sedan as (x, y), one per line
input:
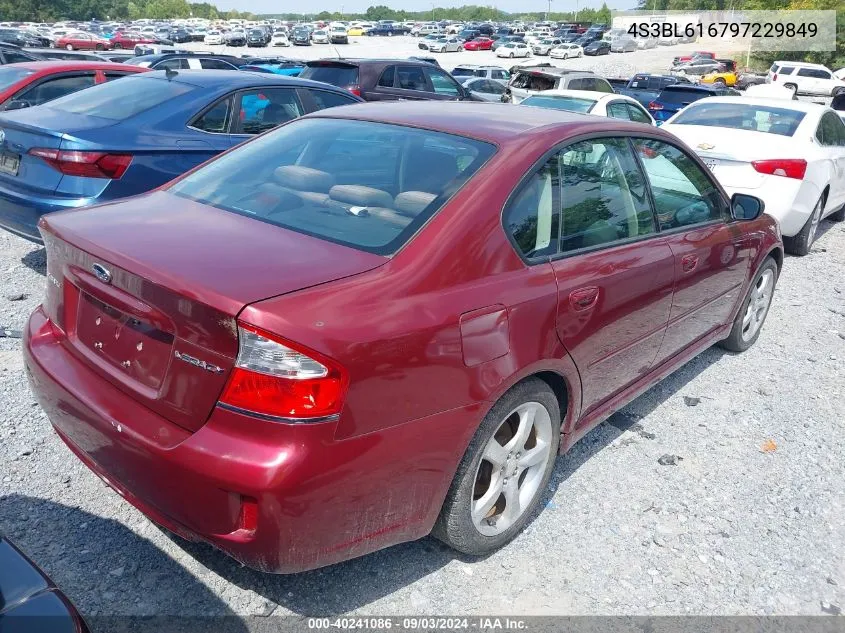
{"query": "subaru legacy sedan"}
(376, 323)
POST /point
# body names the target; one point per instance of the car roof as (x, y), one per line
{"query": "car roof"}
(156, 57)
(785, 104)
(60, 65)
(230, 78)
(803, 64)
(355, 61)
(498, 123)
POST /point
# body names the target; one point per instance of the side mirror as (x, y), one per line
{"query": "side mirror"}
(18, 104)
(745, 207)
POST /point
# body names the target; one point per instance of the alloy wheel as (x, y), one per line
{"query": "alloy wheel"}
(511, 468)
(758, 305)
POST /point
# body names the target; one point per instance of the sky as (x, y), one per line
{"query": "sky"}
(359, 6)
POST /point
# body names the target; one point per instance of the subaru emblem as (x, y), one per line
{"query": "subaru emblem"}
(102, 273)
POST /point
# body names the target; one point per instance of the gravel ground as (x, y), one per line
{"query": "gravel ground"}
(749, 520)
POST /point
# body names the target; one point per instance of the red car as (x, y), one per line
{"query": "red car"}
(33, 83)
(697, 54)
(130, 40)
(376, 323)
(479, 44)
(84, 42)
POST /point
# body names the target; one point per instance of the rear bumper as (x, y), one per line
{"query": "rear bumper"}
(277, 497)
(19, 214)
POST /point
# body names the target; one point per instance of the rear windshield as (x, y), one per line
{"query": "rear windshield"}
(358, 183)
(120, 100)
(570, 104)
(10, 75)
(771, 120)
(335, 75)
(681, 96)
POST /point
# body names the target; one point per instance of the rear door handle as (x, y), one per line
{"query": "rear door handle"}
(689, 263)
(583, 298)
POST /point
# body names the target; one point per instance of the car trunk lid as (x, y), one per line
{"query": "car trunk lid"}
(147, 292)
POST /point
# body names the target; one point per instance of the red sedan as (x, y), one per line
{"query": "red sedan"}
(83, 41)
(130, 40)
(33, 83)
(479, 44)
(314, 347)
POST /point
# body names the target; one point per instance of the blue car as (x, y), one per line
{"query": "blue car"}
(676, 97)
(288, 69)
(131, 135)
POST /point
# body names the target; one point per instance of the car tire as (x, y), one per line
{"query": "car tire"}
(752, 314)
(801, 243)
(720, 83)
(511, 55)
(69, 47)
(99, 47)
(455, 526)
(460, 49)
(118, 46)
(837, 91)
(792, 87)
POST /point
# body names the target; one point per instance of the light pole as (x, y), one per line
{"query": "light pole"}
(549, 12)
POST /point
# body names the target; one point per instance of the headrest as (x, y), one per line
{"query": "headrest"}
(412, 203)
(360, 196)
(303, 178)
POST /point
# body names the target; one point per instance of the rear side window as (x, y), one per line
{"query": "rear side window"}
(681, 96)
(532, 215)
(177, 63)
(618, 110)
(332, 74)
(216, 64)
(120, 100)
(327, 178)
(216, 119)
(14, 57)
(786, 70)
(388, 77)
(638, 115)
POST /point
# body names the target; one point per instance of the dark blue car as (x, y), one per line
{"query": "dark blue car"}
(676, 97)
(134, 134)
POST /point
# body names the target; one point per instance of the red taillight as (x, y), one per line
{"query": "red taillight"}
(356, 90)
(787, 167)
(277, 378)
(85, 164)
(775, 77)
(654, 106)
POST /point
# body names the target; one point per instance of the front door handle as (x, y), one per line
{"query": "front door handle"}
(689, 263)
(583, 298)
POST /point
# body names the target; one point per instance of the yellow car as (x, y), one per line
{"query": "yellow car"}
(720, 79)
(355, 31)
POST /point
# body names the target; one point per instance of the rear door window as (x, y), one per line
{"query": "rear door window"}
(388, 77)
(262, 109)
(326, 99)
(216, 64)
(55, 88)
(175, 63)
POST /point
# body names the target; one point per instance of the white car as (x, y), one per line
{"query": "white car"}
(449, 44)
(513, 49)
(566, 51)
(806, 79)
(610, 105)
(214, 37)
(320, 36)
(644, 43)
(790, 154)
(279, 39)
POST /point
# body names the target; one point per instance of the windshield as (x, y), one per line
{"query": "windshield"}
(570, 104)
(366, 185)
(120, 100)
(770, 120)
(10, 75)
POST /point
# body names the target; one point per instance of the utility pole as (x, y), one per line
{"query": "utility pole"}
(549, 12)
